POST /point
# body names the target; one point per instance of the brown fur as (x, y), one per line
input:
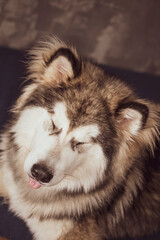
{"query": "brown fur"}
(127, 202)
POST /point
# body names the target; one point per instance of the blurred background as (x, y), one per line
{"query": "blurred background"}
(123, 35)
(120, 33)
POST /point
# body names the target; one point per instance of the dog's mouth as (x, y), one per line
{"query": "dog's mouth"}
(34, 183)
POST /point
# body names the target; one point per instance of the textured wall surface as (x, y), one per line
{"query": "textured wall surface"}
(121, 33)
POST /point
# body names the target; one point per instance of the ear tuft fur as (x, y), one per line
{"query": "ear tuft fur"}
(52, 61)
(131, 116)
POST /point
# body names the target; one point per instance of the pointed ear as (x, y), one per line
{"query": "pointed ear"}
(62, 66)
(131, 116)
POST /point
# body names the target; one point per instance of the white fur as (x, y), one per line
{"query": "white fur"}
(27, 124)
(60, 119)
(51, 229)
(76, 169)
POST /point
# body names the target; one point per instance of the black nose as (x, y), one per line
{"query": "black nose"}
(41, 173)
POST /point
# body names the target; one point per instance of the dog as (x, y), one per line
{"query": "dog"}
(80, 154)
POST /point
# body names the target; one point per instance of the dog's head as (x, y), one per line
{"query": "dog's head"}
(75, 123)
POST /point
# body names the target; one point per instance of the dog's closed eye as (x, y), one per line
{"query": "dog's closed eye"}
(77, 146)
(55, 130)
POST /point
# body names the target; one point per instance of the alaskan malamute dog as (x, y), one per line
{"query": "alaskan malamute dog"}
(80, 156)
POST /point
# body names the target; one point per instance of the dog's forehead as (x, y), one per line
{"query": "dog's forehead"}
(60, 115)
(62, 119)
(84, 106)
(82, 103)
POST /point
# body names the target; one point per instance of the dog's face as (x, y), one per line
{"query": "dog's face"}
(64, 138)
(57, 152)
(73, 120)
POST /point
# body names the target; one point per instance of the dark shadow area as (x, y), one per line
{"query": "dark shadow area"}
(12, 227)
(12, 69)
(147, 86)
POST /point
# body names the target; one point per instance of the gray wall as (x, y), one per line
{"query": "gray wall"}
(121, 33)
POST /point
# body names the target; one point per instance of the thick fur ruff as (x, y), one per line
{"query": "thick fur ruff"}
(80, 156)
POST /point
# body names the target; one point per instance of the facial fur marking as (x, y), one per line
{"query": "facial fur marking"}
(55, 132)
(75, 145)
(60, 119)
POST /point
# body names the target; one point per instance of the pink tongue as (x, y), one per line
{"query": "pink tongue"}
(33, 183)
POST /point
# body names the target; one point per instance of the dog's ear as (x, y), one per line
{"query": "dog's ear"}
(62, 66)
(131, 116)
(54, 62)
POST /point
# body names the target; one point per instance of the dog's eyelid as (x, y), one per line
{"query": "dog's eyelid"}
(79, 143)
(55, 130)
(76, 144)
(53, 125)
